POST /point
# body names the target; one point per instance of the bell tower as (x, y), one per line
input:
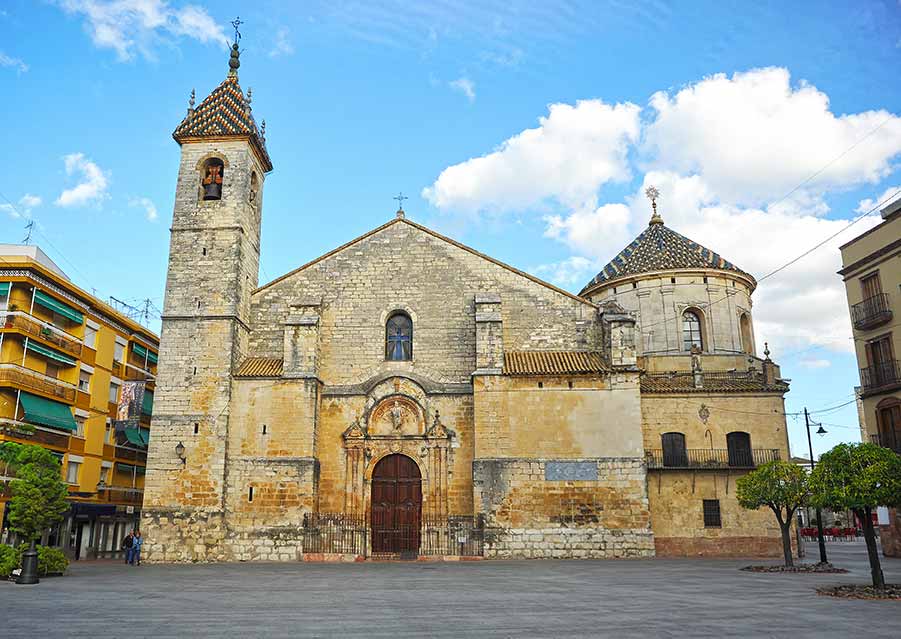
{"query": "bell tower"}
(213, 269)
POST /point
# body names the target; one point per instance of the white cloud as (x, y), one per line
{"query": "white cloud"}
(465, 86)
(754, 137)
(26, 203)
(147, 204)
(15, 63)
(815, 363)
(574, 151)
(888, 196)
(281, 45)
(569, 272)
(92, 185)
(129, 25)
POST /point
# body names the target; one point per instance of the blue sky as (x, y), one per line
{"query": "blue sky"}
(527, 130)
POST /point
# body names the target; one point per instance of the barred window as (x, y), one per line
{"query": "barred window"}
(712, 513)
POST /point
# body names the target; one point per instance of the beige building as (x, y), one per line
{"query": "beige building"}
(406, 395)
(871, 269)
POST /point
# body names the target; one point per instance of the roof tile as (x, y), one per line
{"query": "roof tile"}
(260, 367)
(553, 363)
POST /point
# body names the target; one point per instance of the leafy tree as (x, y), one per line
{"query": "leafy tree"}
(38, 492)
(779, 485)
(859, 477)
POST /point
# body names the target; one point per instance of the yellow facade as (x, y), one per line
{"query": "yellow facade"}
(47, 355)
(871, 270)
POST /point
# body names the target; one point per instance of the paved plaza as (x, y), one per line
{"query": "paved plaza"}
(640, 598)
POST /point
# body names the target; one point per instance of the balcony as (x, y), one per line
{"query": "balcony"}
(29, 380)
(888, 439)
(709, 458)
(34, 434)
(136, 373)
(871, 312)
(880, 376)
(33, 327)
(131, 454)
(120, 495)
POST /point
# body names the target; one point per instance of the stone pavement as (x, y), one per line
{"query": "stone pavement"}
(615, 598)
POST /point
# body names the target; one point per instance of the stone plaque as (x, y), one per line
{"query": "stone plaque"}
(570, 471)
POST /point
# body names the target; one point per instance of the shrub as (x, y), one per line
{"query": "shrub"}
(51, 561)
(9, 560)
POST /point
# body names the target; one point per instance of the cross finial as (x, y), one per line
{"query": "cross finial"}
(237, 22)
(400, 197)
(652, 193)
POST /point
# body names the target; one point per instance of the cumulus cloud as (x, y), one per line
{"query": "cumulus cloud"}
(465, 86)
(14, 63)
(754, 137)
(26, 203)
(574, 150)
(147, 204)
(92, 182)
(127, 26)
(745, 164)
(888, 197)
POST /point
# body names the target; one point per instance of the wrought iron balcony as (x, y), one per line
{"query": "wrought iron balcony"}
(888, 439)
(871, 312)
(131, 454)
(709, 458)
(27, 379)
(880, 375)
(33, 327)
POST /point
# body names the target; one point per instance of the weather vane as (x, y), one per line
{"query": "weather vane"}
(236, 23)
(400, 197)
(652, 194)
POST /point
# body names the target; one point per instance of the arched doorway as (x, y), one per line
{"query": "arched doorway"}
(396, 505)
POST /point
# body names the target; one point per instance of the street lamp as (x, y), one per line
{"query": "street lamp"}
(820, 538)
(180, 451)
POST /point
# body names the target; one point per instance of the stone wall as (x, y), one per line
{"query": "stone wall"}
(530, 513)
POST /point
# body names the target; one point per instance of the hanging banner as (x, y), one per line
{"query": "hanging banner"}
(128, 413)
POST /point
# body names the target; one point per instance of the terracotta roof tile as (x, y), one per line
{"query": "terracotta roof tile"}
(260, 367)
(224, 113)
(717, 382)
(553, 363)
(660, 248)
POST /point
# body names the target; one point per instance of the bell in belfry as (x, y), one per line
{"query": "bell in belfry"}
(212, 182)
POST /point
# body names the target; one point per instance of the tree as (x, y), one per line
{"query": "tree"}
(38, 493)
(859, 477)
(781, 486)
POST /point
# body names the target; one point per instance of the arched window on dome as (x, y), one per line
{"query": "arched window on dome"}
(747, 340)
(211, 179)
(691, 330)
(399, 338)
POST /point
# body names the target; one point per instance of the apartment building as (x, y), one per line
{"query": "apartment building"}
(76, 377)
(871, 269)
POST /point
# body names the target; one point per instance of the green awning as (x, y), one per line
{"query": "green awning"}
(147, 403)
(133, 435)
(45, 412)
(4, 289)
(49, 352)
(145, 435)
(58, 307)
(143, 353)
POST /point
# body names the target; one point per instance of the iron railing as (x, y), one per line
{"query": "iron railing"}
(19, 376)
(871, 312)
(709, 458)
(33, 327)
(890, 439)
(339, 533)
(120, 495)
(886, 373)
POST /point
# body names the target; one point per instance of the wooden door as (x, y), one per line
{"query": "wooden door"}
(738, 446)
(396, 505)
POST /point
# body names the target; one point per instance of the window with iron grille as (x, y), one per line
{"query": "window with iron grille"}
(712, 513)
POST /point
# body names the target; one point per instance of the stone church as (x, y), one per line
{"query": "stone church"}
(405, 395)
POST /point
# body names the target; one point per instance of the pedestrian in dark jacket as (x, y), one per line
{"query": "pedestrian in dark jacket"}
(136, 545)
(128, 546)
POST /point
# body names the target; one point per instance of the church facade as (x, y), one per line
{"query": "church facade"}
(405, 395)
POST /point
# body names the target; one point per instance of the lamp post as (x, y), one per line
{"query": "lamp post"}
(820, 538)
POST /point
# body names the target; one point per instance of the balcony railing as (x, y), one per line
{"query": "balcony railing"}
(888, 439)
(120, 494)
(33, 327)
(136, 373)
(871, 312)
(19, 376)
(709, 458)
(131, 454)
(880, 375)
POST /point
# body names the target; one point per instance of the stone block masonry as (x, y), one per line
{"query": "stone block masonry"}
(532, 517)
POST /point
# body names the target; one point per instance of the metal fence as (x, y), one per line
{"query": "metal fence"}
(709, 458)
(340, 533)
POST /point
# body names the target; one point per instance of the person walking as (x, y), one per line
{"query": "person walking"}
(137, 543)
(128, 546)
